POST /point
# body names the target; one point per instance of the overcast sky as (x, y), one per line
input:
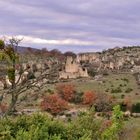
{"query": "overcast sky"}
(76, 25)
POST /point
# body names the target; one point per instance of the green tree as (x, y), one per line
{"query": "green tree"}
(112, 132)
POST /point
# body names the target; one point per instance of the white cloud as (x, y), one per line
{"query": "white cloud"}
(34, 40)
(96, 41)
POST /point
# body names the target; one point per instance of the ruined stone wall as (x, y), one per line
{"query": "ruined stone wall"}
(73, 70)
(83, 72)
(71, 65)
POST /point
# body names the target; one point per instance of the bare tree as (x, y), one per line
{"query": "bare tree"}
(20, 80)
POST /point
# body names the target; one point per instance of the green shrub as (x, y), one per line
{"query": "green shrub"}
(136, 108)
(128, 90)
(122, 96)
(105, 73)
(92, 72)
(78, 97)
(2, 44)
(116, 90)
(34, 127)
(125, 79)
(41, 127)
(121, 85)
(50, 91)
(107, 90)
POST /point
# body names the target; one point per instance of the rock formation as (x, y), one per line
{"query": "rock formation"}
(116, 59)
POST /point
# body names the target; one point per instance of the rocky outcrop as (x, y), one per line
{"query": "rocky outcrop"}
(122, 59)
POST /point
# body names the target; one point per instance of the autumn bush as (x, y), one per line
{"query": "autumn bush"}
(128, 103)
(89, 97)
(104, 102)
(3, 107)
(66, 91)
(54, 104)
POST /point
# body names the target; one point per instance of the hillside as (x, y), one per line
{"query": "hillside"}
(121, 59)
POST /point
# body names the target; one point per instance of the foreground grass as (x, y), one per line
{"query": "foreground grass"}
(131, 130)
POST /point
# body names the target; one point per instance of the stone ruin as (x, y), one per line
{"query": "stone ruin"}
(73, 70)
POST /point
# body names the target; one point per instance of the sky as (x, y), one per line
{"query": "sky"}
(72, 25)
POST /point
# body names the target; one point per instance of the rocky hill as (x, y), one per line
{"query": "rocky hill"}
(116, 59)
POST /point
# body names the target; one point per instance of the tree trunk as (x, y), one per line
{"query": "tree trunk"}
(11, 107)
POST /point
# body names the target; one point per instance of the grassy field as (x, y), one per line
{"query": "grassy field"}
(131, 129)
(117, 85)
(114, 84)
(106, 85)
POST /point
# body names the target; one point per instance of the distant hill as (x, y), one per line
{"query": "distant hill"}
(21, 49)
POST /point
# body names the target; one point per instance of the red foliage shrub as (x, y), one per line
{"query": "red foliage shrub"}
(105, 124)
(89, 97)
(3, 108)
(67, 92)
(54, 104)
(128, 102)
